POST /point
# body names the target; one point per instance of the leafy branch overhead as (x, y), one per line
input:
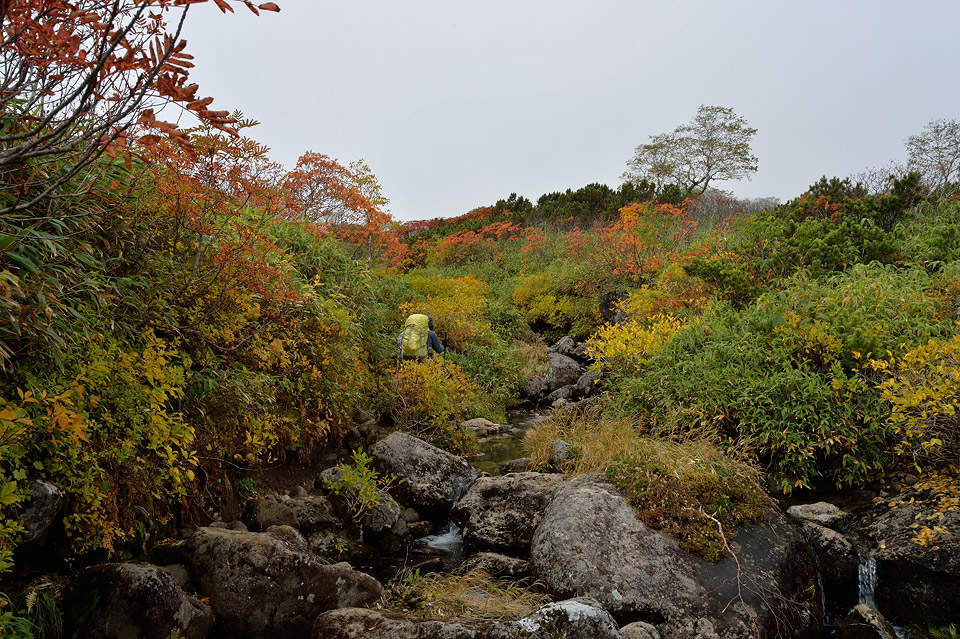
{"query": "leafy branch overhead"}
(714, 146)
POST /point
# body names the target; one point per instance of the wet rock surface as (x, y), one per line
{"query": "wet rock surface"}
(918, 566)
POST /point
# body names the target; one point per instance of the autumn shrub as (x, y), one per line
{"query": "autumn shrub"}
(827, 230)
(922, 389)
(623, 348)
(690, 491)
(430, 399)
(561, 300)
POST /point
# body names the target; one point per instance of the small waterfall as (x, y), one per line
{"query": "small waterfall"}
(449, 542)
(867, 578)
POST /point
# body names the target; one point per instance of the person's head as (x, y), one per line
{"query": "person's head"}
(430, 322)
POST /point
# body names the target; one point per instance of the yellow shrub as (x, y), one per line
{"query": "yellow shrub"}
(431, 400)
(623, 348)
(923, 391)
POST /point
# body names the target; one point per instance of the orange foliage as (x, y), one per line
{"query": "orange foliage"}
(647, 236)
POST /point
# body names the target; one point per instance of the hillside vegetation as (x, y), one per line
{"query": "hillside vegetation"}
(177, 307)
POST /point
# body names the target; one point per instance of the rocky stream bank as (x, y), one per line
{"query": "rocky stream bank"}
(301, 563)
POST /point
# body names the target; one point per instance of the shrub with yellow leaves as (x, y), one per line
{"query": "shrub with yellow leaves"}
(922, 389)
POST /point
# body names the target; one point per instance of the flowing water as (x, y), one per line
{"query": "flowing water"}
(867, 580)
(447, 542)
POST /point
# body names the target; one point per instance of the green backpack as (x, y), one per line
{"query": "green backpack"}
(416, 332)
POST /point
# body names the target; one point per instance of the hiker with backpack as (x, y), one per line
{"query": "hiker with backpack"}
(418, 341)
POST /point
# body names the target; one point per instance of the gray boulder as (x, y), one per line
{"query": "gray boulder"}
(312, 513)
(839, 560)
(483, 427)
(45, 504)
(821, 513)
(573, 619)
(563, 371)
(521, 465)
(269, 511)
(639, 630)
(499, 514)
(132, 601)
(590, 543)
(498, 566)
(263, 585)
(430, 480)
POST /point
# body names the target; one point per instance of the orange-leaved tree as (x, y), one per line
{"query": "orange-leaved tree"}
(645, 237)
(75, 76)
(346, 202)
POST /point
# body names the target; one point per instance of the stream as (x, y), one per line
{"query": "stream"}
(447, 542)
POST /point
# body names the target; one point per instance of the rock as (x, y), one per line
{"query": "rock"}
(420, 529)
(639, 630)
(522, 465)
(590, 543)
(134, 601)
(313, 513)
(821, 513)
(383, 516)
(563, 371)
(566, 345)
(410, 516)
(179, 573)
(916, 584)
(609, 306)
(482, 427)
(500, 513)
(560, 455)
(498, 566)
(42, 510)
(587, 384)
(838, 560)
(864, 622)
(566, 393)
(573, 619)
(269, 511)
(430, 480)
(289, 534)
(262, 585)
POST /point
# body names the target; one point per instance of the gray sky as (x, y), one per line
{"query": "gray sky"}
(455, 105)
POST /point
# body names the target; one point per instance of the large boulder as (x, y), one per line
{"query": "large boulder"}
(313, 513)
(839, 561)
(132, 601)
(499, 514)
(263, 585)
(563, 371)
(590, 543)
(917, 551)
(261, 513)
(430, 480)
(573, 619)
(45, 504)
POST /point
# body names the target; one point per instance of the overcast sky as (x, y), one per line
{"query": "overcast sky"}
(457, 104)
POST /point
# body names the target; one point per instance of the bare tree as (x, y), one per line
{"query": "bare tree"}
(936, 154)
(714, 146)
